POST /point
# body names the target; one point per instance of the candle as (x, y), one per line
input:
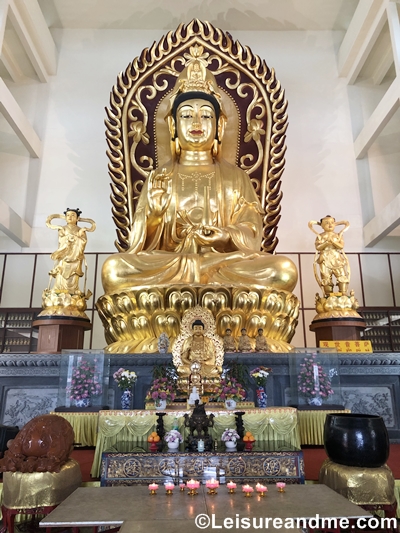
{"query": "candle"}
(261, 489)
(212, 484)
(192, 485)
(182, 487)
(153, 488)
(231, 487)
(169, 487)
(281, 486)
(247, 490)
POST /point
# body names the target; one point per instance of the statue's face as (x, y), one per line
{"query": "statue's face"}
(328, 224)
(198, 330)
(71, 217)
(196, 125)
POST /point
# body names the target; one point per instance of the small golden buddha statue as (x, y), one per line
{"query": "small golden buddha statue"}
(229, 341)
(200, 349)
(261, 341)
(244, 344)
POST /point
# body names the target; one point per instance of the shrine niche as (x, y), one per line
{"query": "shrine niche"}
(196, 211)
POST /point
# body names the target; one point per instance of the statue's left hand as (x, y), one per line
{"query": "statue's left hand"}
(211, 235)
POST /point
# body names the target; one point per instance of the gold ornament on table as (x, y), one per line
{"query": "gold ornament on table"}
(63, 296)
(198, 353)
(197, 229)
(331, 268)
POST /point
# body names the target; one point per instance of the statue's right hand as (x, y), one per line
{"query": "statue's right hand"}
(159, 192)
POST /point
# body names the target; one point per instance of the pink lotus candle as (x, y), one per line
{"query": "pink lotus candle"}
(248, 491)
(261, 489)
(169, 487)
(212, 484)
(231, 487)
(281, 486)
(182, 487)
(192, 485)
(153, 488)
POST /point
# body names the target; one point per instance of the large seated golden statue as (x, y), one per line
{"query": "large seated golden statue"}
(197, 229)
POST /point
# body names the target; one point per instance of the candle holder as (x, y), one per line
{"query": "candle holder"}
(182, 487)
(281, 487)
(231, 487)
(211, 491)
(193, 492)
(169, 492)
(153, 487)
(248, 491)
(261, 493)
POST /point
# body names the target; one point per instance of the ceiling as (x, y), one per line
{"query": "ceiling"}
(228, 14)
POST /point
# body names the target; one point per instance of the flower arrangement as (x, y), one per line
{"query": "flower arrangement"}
(161, 389)
(260, 375)
(84, 381)
(313, 383)
(124, 378)
(229, 389)
(173, 436)
(230, 435)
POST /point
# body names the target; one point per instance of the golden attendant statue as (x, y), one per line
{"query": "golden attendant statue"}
(197, 232)
(331, 267)
(64, 297)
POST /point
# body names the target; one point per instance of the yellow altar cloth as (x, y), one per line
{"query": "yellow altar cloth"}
(123, 431)
(311, 425)
(84, 426)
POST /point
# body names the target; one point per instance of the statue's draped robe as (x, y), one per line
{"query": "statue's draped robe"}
(164, 252)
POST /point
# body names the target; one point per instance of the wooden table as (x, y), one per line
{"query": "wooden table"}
(113, 506)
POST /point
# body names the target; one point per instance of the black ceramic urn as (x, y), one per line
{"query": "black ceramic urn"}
(356, 440)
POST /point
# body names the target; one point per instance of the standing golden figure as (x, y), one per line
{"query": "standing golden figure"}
(65, 298)
(197, 231)
(330, 256)
(331, 267)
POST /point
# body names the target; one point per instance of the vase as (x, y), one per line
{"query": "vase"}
(230, 444)
(159, 404)
(126, 399)
(230, 404)
(83, 402)
(261, 397)
(356, 440)
(173, 445)
(316, 401)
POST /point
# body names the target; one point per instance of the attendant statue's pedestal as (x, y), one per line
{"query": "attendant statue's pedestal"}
(337, 318)
(61, 333)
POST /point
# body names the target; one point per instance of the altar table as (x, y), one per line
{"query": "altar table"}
(112, 506)
(84, 426)
(268, 463)
(123, 431)
(311, 424)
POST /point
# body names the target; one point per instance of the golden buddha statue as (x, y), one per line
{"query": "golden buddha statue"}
(198, 351)
(198, 219)
(196, 233)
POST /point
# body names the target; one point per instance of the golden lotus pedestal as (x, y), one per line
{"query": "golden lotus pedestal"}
(61, 333)
(134, 319)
